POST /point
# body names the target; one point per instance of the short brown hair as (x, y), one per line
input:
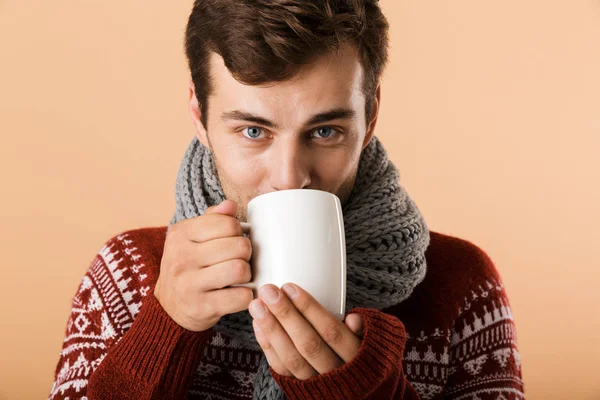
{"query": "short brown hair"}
(264, 41)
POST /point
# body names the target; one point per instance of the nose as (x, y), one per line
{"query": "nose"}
(289, 166)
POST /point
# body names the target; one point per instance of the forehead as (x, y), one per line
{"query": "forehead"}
(332, 80)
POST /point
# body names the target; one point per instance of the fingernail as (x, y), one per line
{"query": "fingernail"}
(290, 290)
(270, 295)
(257, 309)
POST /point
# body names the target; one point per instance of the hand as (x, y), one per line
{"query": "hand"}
(202, 256)
(299, 336)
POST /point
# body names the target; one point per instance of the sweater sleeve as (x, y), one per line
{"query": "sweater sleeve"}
(484, 358)
(374, 373)
(106, 354)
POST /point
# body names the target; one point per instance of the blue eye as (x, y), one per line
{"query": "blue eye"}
(252, 132)
(324, 132)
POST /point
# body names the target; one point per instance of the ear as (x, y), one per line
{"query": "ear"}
(374, 115)
(195, 113)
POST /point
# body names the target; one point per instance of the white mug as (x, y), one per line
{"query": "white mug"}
(298, 236)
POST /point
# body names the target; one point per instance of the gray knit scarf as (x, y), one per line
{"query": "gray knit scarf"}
(386, 238)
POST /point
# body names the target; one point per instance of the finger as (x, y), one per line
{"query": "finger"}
(226, 207)
(222, 249)
(335, 333)
(304, 337)
(272, 357)
(227, 301)
(217, 221)
(280, 342)
(212, 226)
(356, 324)
(224, 274)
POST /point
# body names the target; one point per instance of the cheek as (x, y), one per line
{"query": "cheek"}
(243, 172)
(241, 175)
(336, 168)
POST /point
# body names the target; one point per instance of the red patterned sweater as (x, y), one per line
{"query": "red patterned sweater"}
(454, 338)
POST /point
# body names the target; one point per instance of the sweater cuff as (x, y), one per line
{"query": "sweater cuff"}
(158, 351)
(379, 356)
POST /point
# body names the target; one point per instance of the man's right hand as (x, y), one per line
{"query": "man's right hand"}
(202, 256)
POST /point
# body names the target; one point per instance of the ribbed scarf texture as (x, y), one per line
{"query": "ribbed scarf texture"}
(386, 239)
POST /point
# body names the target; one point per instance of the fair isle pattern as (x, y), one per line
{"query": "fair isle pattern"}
(475, 359)
(426, 362)
(472, 360)
(103, 309)
(226, 370)
(484, 348)
(108, 299)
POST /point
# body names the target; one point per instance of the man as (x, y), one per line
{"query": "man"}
(285, 95)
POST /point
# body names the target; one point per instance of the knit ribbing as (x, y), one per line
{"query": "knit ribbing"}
(155, 349)
(380, 353)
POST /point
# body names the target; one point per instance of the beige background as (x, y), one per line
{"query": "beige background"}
(490, 110)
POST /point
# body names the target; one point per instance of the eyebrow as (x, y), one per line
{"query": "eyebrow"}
(336, 113)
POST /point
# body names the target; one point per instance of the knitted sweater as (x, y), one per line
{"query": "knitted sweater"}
(453, 338)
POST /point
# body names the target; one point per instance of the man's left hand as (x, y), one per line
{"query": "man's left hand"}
(299, 337)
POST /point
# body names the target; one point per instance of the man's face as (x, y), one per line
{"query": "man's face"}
(304, 133)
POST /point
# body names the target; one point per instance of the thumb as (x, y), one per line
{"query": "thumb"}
(356, 323)
(226, 207)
